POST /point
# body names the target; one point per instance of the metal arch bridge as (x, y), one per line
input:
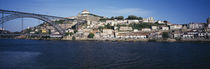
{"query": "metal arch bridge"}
(46, 18)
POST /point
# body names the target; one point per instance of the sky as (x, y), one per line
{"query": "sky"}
(175, 11)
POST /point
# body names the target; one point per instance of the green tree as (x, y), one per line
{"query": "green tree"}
(165, 21)
(103, 19)
(38, 32)
(91, 35)
(49, 31)
(69, 33)
(140, 18)
(165, 35)
(101, 28)
(59, 21)
(108, 26)
(140, 26)
(119, 17)
(132, 17)
(143, 25)
(112, 18)
(28, 30)
(73, 38)
(75, 31)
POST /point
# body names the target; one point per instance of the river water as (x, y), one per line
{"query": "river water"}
(53, 54)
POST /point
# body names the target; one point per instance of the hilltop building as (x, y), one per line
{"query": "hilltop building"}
(149, 20)
(85, 12)
(86, 15)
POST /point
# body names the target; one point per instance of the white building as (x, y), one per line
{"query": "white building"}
(175, 27)
(32, 32)
(111, 22)
(131, 36)
(202, 34)
(135, 30)
(146, 29)
(108, 31)
(209, 26)
(154, 27)
(85, 12)
(176, 35)
(160, 22)
(133, 21)
(165, 28)
(149, 20)
(196, 25)
(115, 22)
(70, 30)
(55, 33)
(36, 30)
(126, 28)
(187, 36)
(155, 35)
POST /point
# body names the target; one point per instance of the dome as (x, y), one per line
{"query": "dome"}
(85, 12)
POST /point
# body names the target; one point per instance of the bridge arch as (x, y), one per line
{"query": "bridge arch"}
(43, 18)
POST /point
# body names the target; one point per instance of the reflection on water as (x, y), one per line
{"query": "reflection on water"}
(41, 54)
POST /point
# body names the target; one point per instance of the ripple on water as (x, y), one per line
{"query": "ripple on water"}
(16, 59)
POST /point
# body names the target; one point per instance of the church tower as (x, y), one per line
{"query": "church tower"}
(208, 20)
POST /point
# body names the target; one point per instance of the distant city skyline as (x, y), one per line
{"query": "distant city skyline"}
(175, 11)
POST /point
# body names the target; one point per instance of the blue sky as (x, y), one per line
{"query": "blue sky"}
(175, 11)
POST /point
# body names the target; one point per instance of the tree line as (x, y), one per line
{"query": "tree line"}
(130, 17)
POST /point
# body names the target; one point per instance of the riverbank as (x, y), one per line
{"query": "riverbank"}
(115, 39)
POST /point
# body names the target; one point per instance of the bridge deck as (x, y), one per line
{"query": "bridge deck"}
(51, 35)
